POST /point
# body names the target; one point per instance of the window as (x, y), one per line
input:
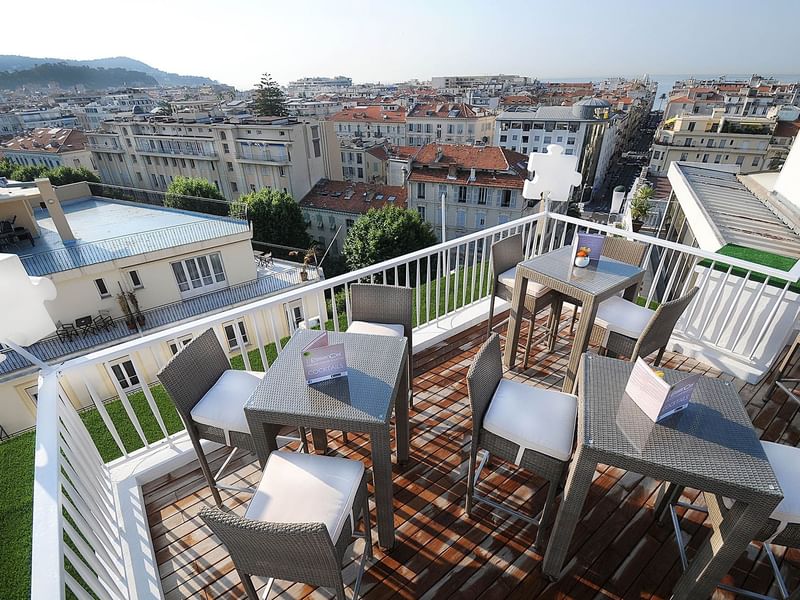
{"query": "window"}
(125, 374)
(136, 281)
(687, 142)
(230, 166)
(359, 159)
(462, 193)
(740, 160)
(234, 187)
(282, 171)
(505, 201)
(360, 173)
(421, 211)
(480, 220)
(222, 136)
(199, 272)
(102, 288)
(525, 139)
(33, 393)
(225, 148)
(692, 125)
(177, 344)
(420, 190)
(705, 158)
(548, 139)
(349, 222)
(461, 218)
(230, 334)
(684, 156)
(570, 141)
(483, 193)
(503, 138)
(755, 162)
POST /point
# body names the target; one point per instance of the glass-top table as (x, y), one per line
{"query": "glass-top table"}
(589, 285)
(709, 446)
(362, 402)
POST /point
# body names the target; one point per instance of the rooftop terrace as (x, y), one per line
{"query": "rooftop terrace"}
(106, 229)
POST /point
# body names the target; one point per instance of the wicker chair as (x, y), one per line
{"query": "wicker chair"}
(210, 397)
(383, 310)
(528, 426)
(783, 527)
(616, 248)
(299, 523)
(506, 255)
(628, 329)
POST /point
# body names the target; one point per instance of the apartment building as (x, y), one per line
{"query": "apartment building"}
(754, 97)
(588, 129)
(449, 123)
(19, 121)
(237, 155)
(385, 121)
(332, 207)
(311, 86)
(482, 186)
(52, 147)
(179, 265)
(718, 138)
(496, 84)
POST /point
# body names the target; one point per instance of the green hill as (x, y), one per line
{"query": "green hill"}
(69, 76)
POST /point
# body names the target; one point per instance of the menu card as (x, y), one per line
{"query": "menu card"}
(323, 361)
(591, 244)
(656, 397)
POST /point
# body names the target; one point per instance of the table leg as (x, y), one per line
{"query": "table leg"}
(631, 291)
(515, 320)
(579, 481)
(720, 551)
(579, 344)
(401, 420)
(265, 437)
(553, 322)
(668, 493)
(384, 494)
(320, 439)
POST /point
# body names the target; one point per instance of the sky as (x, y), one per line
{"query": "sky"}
(234, 41)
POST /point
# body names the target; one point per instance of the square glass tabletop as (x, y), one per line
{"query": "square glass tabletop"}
(365, 395)
(595, 279)
(711, 445)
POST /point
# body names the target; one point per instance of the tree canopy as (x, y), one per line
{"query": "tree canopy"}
(386, 233)
(270, 101)
(56, 175)
(183, 193)
(276, 218)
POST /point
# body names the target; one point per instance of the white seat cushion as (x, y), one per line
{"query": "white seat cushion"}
(223, 404)
(785, 461)
(533, 418)
(621, 316)
(306, 488)
(508, 278)
(390, 329)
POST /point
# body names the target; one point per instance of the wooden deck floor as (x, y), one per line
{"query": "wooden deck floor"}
(619, 551)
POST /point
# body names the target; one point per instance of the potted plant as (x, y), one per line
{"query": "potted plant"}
(310, 255)
(137, 312)
(640, 206)
(130, 320)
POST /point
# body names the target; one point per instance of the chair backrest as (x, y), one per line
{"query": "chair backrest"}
(658, 331)
(193, 371)
(483, 377)
(301, 552)
(506, 254)
(378, 303)
(627, 251)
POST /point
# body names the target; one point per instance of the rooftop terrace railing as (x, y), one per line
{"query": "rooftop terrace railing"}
(77, 516)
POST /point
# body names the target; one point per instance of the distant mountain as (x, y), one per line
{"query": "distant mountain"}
(66, 76)
(10, 62)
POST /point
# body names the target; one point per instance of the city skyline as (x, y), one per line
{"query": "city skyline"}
(351, 40)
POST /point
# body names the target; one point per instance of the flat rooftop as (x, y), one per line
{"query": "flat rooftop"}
(739, 215)
(107, 229)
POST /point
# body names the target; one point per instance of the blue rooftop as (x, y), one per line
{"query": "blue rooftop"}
(107, 229)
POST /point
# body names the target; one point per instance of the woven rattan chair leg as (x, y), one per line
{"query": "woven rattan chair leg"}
(303, 440)
(574, 319)
(367, 529)
(471, 475)
(247, 584)
(345, 438)
(548, 514)
(659, 356)
(531, 325)
(206, 469)
(491, 314)
(668, 496)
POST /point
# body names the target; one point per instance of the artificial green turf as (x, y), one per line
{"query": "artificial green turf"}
(16, 510)
(759, 257)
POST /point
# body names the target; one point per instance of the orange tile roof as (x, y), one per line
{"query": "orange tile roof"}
(490, 158)
(322, 196)
(404, 151)
(378, 152)
(506, 181)
(787, 129)
(516, 100)
(51, 140)
(370, 114)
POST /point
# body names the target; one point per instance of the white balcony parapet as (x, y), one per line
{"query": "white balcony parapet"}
(104, 500)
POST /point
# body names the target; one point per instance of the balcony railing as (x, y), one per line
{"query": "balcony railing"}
(103, 548)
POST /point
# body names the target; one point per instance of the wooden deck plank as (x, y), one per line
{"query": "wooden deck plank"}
(618, 550)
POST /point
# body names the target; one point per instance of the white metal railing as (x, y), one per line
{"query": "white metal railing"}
(73, 479)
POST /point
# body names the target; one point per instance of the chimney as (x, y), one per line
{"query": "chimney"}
(53, 204)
